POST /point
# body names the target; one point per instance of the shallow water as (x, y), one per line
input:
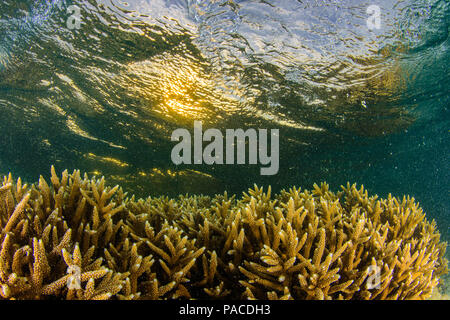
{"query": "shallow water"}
(101, 85)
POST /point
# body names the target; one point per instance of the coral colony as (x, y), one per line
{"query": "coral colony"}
(213, 153)
(77, 238)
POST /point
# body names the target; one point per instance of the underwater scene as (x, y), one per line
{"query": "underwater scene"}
(224, 149)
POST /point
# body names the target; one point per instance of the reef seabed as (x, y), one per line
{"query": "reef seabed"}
(294, 245)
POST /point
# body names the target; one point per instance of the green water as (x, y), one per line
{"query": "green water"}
(351, 104)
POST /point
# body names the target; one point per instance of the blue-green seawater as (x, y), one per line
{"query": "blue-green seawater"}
(101, 85)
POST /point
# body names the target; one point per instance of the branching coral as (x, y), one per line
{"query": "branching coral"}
(79, 239)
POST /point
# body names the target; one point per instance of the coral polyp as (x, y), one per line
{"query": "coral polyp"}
(294, 245)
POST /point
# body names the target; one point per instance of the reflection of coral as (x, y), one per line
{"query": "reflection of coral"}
(383, 123)
(296, 245)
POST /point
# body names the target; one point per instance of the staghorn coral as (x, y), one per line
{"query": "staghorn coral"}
(295, 245)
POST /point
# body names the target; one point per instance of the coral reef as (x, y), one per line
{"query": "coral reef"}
(80, 239)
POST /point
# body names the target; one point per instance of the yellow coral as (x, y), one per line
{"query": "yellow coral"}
(295, 245)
